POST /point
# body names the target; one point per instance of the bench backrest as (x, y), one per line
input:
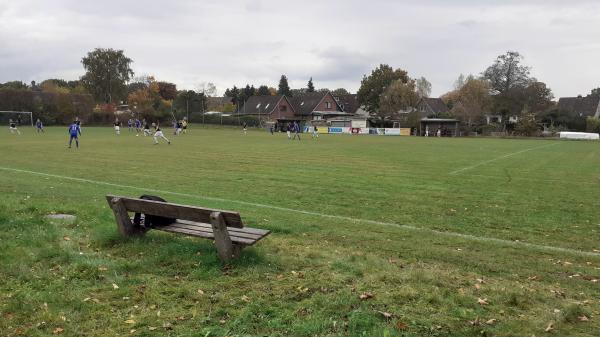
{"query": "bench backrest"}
(182, 212)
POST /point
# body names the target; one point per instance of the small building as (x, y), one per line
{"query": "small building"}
(447, 126)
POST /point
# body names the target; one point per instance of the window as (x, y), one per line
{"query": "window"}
(328, 105)
(317, 117)
(283, 108)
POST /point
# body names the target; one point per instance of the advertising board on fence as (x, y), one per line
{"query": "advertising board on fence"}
(392, 132)
(339, 130)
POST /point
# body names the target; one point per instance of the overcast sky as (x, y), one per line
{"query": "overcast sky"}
(334, 41)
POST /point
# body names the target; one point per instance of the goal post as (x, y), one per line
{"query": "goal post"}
(16, 116)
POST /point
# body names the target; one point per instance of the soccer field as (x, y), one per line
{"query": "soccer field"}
(450, 236)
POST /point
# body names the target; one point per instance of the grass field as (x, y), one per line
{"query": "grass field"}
(451, 237)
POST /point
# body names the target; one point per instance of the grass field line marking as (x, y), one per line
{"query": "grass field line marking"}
(501, 157)
(470, 237)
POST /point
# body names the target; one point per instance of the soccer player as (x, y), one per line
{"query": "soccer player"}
(39, 126)
(117, 126)
(158, 134)
(12, 126)
(184, 124)
(138, 127)
(289, 131)
(129, 124)
(315, 133)
(245, 128)
(179, 128)
(296, 129)
(74, 132)
(146, 128)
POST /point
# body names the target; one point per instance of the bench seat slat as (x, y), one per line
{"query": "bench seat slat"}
(247, 230)
(204, 228)
(203, 234)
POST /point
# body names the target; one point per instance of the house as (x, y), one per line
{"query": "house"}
(317, 106)
(579, 106)
(269, 108)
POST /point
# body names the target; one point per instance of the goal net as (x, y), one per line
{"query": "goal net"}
(22, 118)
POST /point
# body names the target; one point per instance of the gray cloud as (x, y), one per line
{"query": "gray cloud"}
(335, 42)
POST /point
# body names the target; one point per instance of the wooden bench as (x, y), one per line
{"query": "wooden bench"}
(224, 227)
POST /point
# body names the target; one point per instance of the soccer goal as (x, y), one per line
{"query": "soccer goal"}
(19, 117)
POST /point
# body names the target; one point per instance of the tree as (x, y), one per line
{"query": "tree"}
(595, 92)
(340, 92)
(284, 88)
(207, 88)
(398, 96)
(472, 101)
(263, 90)
(234, 93)
(18, 85)
(310, 87)
(372, 86)
(592, 124)
(537, 97)
(507, 73)
(423, 87)
(527, 124)
(167, 91)
(106, 73)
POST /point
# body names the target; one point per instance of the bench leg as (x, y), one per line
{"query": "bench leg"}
(126, 227)
(225, 248)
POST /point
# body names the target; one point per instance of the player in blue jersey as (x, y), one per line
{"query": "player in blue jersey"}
(74, 132)
(39, 126)
(138, 127)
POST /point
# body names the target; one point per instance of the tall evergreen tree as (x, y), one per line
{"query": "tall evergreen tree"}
(310, 87)
(284, 88)
(263, 90)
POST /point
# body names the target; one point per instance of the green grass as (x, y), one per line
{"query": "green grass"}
(307, 277)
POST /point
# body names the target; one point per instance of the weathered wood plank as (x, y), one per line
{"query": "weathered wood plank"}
(124, 224)
(249, 230)
(222, 240)
(169, 210)
(205, 235)
(199, 227)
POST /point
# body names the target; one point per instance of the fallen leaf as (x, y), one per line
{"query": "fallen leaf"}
(200, 291)
(58, 331)
(477, 286)
(550, 327)
(583, 318)
(480, 280)
(482, 301)
(66, 238)
(151, 328)
(102, 268)
(115, 286)
(386, 314)
(475, 322)
(491, 321)
(129, 321)
(401, 325)
(245, 298)
(533, 278)
(366, 296)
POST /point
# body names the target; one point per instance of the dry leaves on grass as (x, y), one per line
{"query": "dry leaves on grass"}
(550, 327)
(115, 286)
(66, 238)
(129, 321)
(58, 331)
(366, 296)
(483, 301)
(385, 314)
(401, 325)
(583, 318)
